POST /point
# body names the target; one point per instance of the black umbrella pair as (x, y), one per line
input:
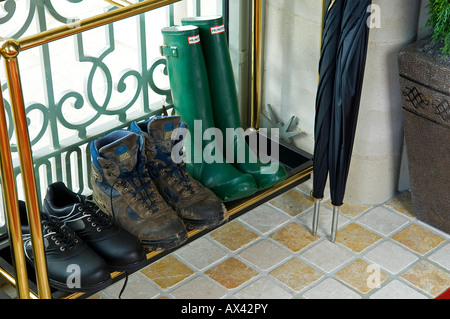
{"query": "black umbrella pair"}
(341, 69)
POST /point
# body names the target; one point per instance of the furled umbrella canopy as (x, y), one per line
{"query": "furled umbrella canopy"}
(350, 66)
(349, 74)
(324, 100)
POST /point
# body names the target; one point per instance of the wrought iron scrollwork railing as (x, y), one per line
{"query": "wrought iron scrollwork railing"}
(81, 87)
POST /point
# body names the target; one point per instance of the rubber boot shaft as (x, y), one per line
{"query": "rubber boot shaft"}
(225, 100)
(192, 101)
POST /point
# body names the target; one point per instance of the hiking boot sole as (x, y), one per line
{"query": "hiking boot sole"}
(165, 244)
(212, 222)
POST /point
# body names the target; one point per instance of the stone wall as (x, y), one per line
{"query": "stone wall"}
(292, 47)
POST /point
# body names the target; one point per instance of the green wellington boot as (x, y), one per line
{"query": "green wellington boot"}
(192, 101)
(225, 100)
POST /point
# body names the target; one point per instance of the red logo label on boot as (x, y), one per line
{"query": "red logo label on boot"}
(218, 29)
(194, 39)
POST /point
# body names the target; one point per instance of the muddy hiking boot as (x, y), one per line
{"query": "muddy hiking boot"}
(197, 206)
(120, 249)
(123, 188)
(71, 265)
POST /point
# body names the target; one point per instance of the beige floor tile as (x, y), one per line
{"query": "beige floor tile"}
(167, 272)
(264, 254)
(199, 288)
(391, 257)
(356, 237)
(382, 220)
(234, 236)
(402, 204)
(331, 289)
(294, 236)
(263, 288)
(429, 278)
(201, 253)
(327, 256)
(397, 290)
(293, 202)
(418, 238)
(296, 274)
(232, 273)
(138, 287)
(442, 257)
(264, 218)
(360, 275)
(351, 209)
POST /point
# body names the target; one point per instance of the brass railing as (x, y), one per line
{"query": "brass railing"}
(10, 50)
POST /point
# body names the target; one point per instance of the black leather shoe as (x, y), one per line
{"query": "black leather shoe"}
(121, 250)
(71, 265)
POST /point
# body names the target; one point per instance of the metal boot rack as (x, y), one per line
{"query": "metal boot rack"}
(298, 163)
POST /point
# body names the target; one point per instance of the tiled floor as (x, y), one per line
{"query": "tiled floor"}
(380, 252)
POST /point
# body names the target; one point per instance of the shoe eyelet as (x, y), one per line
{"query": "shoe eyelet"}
(99, 229)
(62, 248)
(89, 219)
(57, 242)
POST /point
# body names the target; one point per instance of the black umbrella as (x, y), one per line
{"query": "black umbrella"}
(324, 101)
(349, 73)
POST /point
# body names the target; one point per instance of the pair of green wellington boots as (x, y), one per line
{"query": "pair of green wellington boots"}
(204, 95)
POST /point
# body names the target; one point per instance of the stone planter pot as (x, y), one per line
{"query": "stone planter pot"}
(425, 85)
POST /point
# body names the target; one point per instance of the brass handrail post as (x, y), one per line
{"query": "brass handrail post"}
(10, 49)
(12, 208)
(257, 46)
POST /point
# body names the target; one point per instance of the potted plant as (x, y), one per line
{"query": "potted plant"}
(425, 86)
(439, 22)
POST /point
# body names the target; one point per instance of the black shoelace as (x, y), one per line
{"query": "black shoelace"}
(177, 172)
(141, 190)
(57, 231)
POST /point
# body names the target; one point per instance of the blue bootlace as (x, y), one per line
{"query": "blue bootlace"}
(177, 171)
(141, 190)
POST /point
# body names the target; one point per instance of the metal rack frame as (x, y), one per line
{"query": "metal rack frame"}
(10, 50)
